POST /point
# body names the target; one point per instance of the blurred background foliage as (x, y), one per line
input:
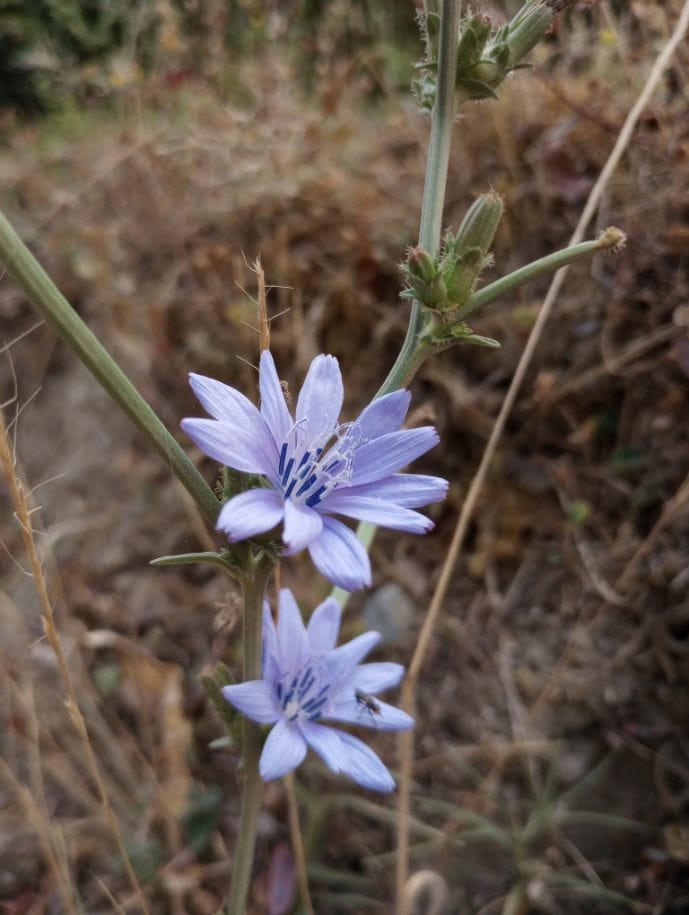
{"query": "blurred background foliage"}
(50, 49)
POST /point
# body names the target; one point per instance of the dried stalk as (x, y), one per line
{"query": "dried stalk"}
(23, 517)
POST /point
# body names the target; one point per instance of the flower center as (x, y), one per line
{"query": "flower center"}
(304, 695)
(310, 469)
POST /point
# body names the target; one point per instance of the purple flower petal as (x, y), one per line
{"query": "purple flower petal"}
(341, 661)
(410, 490)
(252, 451)
(253, 512)
(326, 742)
(271, 665)
(225, 403)
(384, 414)
(386, 717)
(339, 556)
(294, 643)
(363, 766)
(307, 682)
(302, 526)
(384, 514)
(273, 406)
(283, 751)
(256, 699)
(324, 625)
(377, 677)
(390, 453)
(316, 466)
(321, 396)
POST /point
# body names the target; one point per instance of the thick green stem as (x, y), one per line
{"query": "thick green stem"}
(47, 298)
(409, 358)
(608, 241)
(253, 593)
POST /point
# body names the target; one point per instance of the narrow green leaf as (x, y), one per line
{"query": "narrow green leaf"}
(179, 559)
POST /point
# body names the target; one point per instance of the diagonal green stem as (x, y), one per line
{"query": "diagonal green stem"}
(47, 298)
(609, 240)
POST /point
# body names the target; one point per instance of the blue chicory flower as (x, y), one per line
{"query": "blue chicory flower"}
(307, 680)
(314, 466)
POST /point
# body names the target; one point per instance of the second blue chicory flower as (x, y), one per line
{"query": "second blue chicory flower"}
(314, 466)
(307, 683)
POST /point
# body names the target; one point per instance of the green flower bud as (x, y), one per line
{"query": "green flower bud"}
(526, 30)
(474, 34)
(429, 22)
(466, 254)
(435, 294)
(461, 278)
(484, 61)
(479, 226)
(425, 281)
(421, 264)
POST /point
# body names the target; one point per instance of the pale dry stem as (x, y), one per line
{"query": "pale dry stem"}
(298, 845)
(23, 516)
(263, 323)
(592, 203)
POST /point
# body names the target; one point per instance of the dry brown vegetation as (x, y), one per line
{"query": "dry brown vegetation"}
(552, 764)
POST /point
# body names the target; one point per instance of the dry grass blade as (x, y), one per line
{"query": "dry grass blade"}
(21, 508)
(263, 323)
(592, 203)
(298, 845)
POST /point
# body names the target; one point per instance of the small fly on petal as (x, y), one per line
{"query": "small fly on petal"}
(368, 702)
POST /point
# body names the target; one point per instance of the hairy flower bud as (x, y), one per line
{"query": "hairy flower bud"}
(426, 283)
(485, 60)
(421, 264)
(466, 254)
(480, 224)
(526, 30)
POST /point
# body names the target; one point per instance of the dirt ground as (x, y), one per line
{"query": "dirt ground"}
(552, 759)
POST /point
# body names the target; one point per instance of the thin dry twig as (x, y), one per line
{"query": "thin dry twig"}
(466, 514)
(17, 493)
(298, 845)
(263, 323)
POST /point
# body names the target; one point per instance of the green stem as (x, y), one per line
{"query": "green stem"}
(409, 358)
(413, 354)
(253, 593)
(47, 298)
(609, 240)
